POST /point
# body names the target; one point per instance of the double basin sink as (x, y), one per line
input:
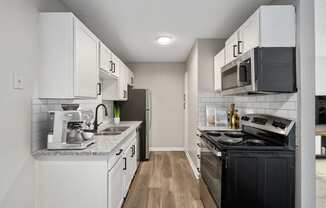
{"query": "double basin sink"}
(114, 130)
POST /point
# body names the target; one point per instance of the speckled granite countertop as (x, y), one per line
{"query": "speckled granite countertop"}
(103, 145)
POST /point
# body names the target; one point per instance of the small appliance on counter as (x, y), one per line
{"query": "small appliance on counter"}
(252, 168)
(66, 131)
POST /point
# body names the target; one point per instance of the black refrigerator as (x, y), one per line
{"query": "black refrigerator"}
(138, 107)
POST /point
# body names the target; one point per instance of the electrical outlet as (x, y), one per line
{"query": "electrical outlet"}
(18, 80)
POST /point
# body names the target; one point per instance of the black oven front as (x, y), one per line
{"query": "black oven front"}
(211, 163)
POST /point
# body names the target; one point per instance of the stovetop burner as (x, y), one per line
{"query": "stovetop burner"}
(230, 141)
(255, 142)
(236, 139)
(214, 134)
(234, 134)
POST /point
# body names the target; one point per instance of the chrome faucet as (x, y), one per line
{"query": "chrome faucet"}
(95, 124)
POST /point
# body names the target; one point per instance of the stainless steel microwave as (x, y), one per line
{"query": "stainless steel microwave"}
(261, 70)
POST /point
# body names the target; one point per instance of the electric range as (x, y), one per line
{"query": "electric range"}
(252, 168)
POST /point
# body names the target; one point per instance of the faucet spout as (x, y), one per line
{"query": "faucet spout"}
(96, 125)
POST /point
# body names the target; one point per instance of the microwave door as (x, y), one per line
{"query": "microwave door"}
(230, 77)
(245, 69)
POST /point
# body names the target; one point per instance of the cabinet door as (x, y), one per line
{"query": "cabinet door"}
(115, 65)
(116, 189)
(219, 62)
(85, 62)
(231, 48)
(123, 82)
(105, 58)
(271, 180)
(249, 34)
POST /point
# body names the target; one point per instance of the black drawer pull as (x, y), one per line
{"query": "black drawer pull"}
(119, 153)
(125, 159)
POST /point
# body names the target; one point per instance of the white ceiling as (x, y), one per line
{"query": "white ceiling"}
(129, 27)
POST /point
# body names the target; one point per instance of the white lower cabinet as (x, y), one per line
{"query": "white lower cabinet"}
(84, 182)
(115, 188)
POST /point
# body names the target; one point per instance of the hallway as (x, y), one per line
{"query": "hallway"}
(166, 181)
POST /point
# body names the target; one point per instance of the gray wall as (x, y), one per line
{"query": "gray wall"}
(19, 53)
(207, 49)
(166, 81)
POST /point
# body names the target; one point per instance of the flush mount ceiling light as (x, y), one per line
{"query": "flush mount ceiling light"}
(164, 40)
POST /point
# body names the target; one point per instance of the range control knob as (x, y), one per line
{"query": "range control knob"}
(276, 124)
(282, 125)
(245, 118)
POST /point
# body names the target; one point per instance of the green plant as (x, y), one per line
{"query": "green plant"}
(116, 111)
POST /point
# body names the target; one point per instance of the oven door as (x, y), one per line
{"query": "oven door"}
(211, 163)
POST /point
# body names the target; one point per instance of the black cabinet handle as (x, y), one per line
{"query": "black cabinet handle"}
(198, 156)
(125, 167)
(119, 153)
(133, 151)
(239, 47)
(234, 50)
(111, 67)
(99, 88)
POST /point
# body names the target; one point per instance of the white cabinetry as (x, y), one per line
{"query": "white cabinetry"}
(69, 56)
(219, 62)
(320, 40)
(87, 181)
(231, 47)
(72, 184)
(130, 167)
(107, 65)
(115, 188)
(117, 90)
(269, 26)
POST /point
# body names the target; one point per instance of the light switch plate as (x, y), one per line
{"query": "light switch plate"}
(18, 81)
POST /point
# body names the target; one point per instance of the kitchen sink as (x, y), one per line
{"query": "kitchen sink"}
(114, 130)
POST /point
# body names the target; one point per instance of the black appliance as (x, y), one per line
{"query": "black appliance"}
(138, 107)
(253, 168)
(261, 70)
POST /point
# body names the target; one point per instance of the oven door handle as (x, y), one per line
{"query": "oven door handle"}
(214, 151)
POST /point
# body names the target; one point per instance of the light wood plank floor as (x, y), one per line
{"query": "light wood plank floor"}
(166, 181)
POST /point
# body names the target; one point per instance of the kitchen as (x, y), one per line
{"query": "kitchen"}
(90, 53)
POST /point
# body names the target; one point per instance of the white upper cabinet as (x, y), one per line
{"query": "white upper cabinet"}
(117, 89)
(320, 40)
(116, 65)
(249, 34)
(105, 62)
(269, 26)
(69, 56)
(231, 47)
(219, 62)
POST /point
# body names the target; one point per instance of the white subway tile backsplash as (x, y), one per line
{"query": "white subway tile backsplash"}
(40, 108)
(283, 105)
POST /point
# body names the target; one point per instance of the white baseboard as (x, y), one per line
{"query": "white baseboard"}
(192, 165)
(166, 149)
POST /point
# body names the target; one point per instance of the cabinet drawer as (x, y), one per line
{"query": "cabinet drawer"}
(115, 156)
(118, 152)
